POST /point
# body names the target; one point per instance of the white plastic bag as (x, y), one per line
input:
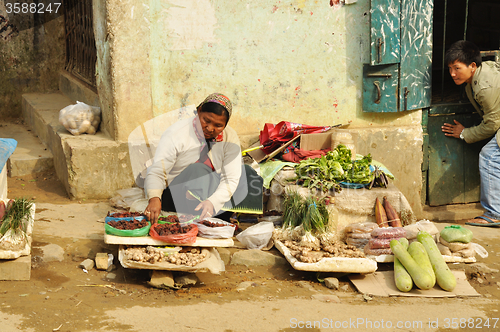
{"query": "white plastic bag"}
(222, 232)
(256, 236)
(483, 253)
(80, 118)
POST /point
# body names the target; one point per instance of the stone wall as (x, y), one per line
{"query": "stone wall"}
(32, 51)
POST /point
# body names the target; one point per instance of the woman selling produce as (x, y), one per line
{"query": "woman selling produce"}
(197, 168)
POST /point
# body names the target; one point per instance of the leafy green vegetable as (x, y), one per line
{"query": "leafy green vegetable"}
(15, 214)
(294, 209)
(311, 212)
(336, 166)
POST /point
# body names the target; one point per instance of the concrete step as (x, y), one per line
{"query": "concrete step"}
(89, 166)
(452, 212)
(30, 156)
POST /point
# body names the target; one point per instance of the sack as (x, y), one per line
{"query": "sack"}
(80, 118)
(456, 233)
(256, 236)
(218, 232)
(455, 246)
(184, 238)
(126, 197)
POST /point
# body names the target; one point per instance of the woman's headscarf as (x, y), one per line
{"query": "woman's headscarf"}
(220, 99)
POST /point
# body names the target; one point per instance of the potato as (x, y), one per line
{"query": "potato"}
(91, 130)
(72, 123)
(84, 126)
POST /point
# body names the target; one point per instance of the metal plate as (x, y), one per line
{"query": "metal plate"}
(380, 88)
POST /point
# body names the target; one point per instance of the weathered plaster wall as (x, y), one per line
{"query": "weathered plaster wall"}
(122, 32)
(299, 61)
(32, 51)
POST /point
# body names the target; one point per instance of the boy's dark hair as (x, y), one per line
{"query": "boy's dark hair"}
(215, 109)
(464, 51)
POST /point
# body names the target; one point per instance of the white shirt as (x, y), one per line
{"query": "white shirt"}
(180, 147)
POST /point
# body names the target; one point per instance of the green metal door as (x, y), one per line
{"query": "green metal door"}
(453, 172)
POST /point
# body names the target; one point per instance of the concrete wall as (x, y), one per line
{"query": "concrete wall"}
(299, 61)
(32, 51)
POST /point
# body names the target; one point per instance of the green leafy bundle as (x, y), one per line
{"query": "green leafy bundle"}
(336, 166)
(294, 209)
(311, 213)
(17, 210)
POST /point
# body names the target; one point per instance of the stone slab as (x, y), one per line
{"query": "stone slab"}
(149, 241)
(16, 269)
(256, 257)
(334, 264)
(30, 155)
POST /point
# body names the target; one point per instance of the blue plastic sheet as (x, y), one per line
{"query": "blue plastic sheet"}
(7, 147)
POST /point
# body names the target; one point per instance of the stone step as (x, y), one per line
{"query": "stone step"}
(89, 166)
(452, 212)
(30, 156)
(15, 269)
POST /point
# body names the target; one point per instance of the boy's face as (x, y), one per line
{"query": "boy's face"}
(461, 73)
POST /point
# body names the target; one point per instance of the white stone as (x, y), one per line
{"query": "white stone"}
(332, 283)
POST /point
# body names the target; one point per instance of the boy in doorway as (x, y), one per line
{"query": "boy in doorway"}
(483, 90)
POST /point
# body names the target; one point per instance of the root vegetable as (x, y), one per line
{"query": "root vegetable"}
(380, 214)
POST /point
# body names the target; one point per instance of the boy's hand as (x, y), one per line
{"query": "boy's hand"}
(452, 130)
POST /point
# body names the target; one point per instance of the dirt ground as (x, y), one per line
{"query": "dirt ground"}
(61, 297)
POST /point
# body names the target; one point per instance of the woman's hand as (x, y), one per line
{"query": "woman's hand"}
(452, 130)
(207, 209)
(153, 210)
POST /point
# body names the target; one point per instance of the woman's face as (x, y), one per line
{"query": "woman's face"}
(211, 124)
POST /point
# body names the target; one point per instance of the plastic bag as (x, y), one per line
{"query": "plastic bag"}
(361, 227)
(358, 243)
(389, 232)
(184, 238)
(479, 249)
(219, 232)
(456, 233)
(422, 225)
(377, 252)
(80, 118)
(256, 236)
(125, 232)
